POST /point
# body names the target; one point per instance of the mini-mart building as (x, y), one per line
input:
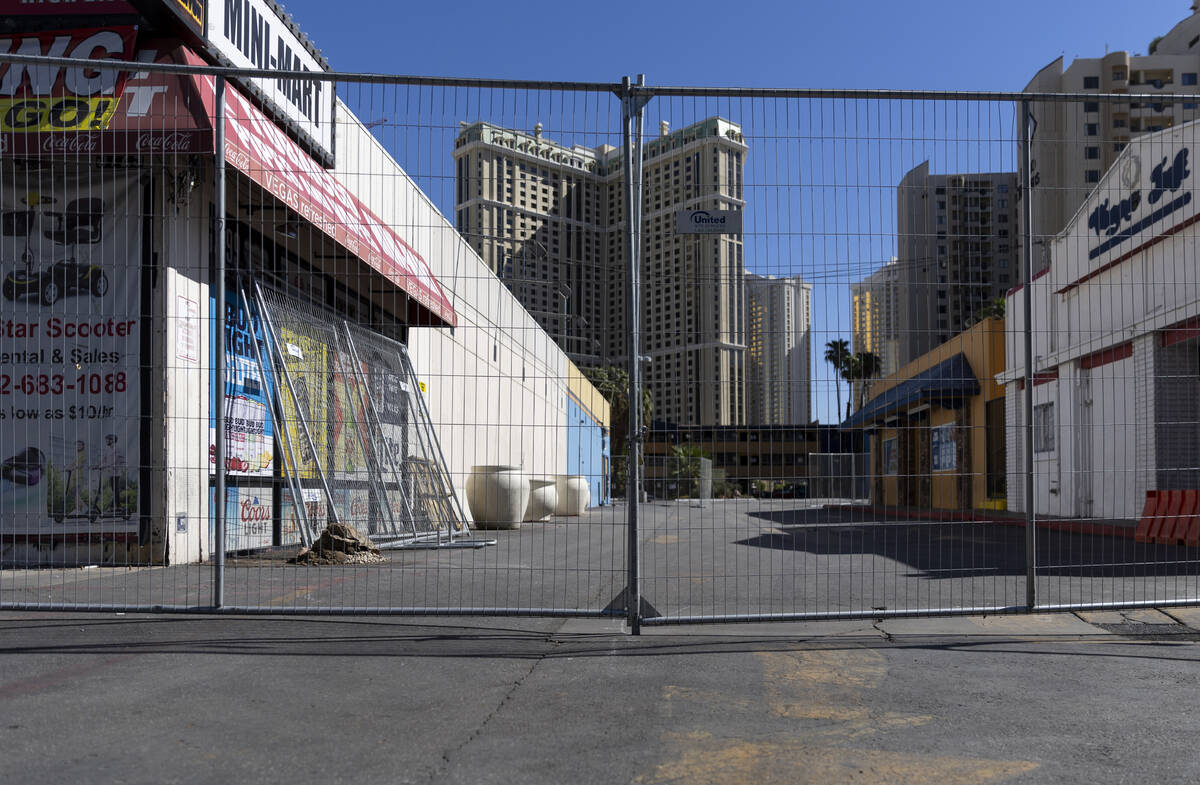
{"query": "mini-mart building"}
(106, 189)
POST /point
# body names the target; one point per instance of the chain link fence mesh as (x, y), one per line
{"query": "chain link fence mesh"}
(841, 413)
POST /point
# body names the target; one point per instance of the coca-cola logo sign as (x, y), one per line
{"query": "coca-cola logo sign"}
(169, 142)
(70, 143)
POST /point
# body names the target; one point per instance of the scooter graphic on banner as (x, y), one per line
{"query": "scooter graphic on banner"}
(22, 480)
(78, 224)
(84, 490)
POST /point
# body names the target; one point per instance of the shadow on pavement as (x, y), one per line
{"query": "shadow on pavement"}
(956, 549)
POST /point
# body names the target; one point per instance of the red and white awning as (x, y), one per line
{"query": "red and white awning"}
(169, 114)
(256, 146)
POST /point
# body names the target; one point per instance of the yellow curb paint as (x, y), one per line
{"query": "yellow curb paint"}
(827, 685)
(829, 692)
(739, 763)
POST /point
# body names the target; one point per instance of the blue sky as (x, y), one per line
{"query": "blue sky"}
(823, 208)
(935, 44)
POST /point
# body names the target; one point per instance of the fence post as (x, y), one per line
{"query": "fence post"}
(218, 386)
(1027, 125)
(631, 122)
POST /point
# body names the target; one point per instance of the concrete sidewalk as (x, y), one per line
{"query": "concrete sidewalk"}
(1071, 698)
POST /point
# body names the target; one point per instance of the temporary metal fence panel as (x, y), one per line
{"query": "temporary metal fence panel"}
(930, 353)
(678, 477)
(84, 347)
(391, 359)
(1111, 415)
(843, 477)
(874, 285)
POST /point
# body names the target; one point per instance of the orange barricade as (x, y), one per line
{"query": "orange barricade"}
(1190, 535)
(1170, 519)
(1155, 515)
(1142, 533)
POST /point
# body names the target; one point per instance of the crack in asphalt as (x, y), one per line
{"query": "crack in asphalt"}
(443, 770)
(1173, 617)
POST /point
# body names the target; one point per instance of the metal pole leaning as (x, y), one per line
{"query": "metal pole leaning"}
(219, 355)
(429, 441)
(281, 432)
(1027, 125)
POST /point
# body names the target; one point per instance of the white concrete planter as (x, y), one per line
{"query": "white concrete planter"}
(573, 494)
(543, 499)
(497, 496)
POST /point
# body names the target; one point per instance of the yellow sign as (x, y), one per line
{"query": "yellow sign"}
(306, 362)
(347, 420)
(194, 9)
(69, 113)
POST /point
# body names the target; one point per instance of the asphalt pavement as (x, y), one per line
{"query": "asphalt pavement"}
(99, 698)
(717, 560)
(1082, 696)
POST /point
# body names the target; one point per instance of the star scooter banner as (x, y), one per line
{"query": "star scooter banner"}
(70, 333)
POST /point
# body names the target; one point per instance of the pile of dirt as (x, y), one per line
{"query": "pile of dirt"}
(340, 544)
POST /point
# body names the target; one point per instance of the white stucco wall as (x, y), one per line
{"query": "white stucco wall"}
(1108, 289)
(184, 240)
(497, 382)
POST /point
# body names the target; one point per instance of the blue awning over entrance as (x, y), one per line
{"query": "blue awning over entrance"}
(948, 383)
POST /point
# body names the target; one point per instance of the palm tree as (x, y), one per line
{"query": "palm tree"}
(686, 471)
(850, 373)
(866, 366)
(837, 354)
(992, 309)
(613, 383)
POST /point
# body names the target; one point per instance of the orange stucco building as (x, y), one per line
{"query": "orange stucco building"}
(937, 426)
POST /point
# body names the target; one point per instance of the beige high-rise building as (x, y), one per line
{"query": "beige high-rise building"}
(779, 357)
(956, 253)
(1076, 142)
(548, 219)
(875, 315)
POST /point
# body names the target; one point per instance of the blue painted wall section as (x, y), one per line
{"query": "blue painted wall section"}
(587, 449)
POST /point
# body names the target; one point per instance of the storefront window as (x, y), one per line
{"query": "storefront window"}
(891, 459)
(944, 452)
(997, 478)
(1043, 428)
